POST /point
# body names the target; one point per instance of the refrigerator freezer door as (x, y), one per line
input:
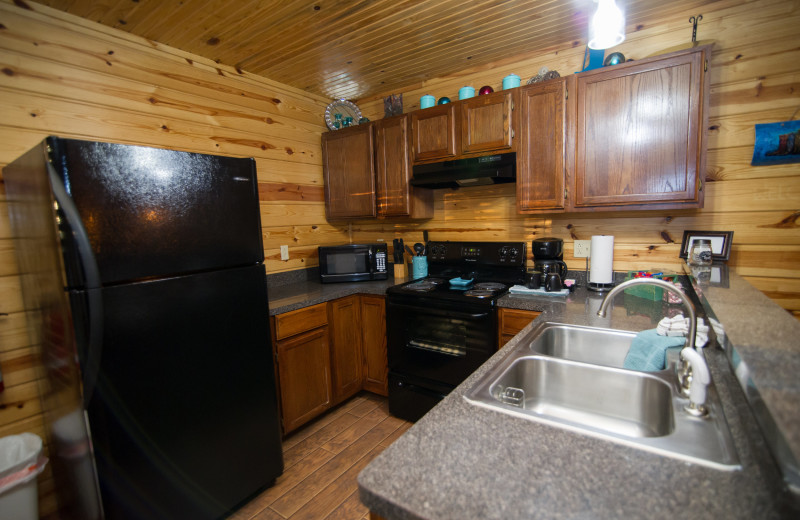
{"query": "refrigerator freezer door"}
(184, 414)
(151, 212)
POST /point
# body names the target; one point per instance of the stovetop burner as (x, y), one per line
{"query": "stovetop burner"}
(425, 285)
(475, 273)
(479, 293)
(489, 286)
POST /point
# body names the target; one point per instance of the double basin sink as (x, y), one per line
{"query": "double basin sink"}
(571, 376)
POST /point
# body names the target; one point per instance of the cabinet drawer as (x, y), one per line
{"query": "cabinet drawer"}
(513, 320)
(301, 320)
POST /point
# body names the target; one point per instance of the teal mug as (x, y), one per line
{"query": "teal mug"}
(466, 92)
(427, 101)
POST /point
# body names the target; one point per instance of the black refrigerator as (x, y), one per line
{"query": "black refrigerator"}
(143, 282)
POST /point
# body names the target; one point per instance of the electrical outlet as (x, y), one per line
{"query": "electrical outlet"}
(582, 248)
(284, 252)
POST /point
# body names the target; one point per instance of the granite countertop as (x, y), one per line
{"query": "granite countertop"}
(287, 293)
(461, 461)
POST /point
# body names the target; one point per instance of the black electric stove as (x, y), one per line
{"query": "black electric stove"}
(470, 272)
(442, 327)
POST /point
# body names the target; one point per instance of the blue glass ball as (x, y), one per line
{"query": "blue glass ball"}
(443, 100)
(615, 58)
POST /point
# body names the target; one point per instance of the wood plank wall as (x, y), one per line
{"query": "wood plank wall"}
(65, 76)
(755, 75)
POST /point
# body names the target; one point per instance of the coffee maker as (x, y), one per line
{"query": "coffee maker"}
(548, 256)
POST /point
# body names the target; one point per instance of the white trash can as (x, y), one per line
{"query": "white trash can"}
(21, 461)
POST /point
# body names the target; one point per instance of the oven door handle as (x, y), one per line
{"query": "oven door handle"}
(439, 312)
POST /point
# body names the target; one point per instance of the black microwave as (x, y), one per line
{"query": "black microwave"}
(352, 263)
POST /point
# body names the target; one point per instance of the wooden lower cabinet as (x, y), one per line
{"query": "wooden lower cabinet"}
(373, 331)
(328, 352)
(344, 320)
(304, 377)
(511, 322)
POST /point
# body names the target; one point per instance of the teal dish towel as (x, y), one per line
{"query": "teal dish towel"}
(649, 350)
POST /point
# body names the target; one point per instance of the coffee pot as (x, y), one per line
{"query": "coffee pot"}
(548, 254)
(551, 266)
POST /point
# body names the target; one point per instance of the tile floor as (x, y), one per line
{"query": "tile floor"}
(322, 460)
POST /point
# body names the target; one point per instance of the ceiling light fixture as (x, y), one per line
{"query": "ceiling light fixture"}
(607, 27)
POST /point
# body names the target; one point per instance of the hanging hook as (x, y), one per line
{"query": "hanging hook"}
(694, 20)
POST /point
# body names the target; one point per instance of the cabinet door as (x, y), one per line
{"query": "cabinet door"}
(349, 173)
(305, 378)
(433, 133)
(346, 358)
(373, 330)
(487, 123)
(541, 153)
(396, 196)
(639, 132)
(511, 322)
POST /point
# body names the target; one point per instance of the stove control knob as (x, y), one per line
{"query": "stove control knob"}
(514, 252)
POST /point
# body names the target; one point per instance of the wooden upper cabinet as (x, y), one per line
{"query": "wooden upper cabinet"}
(541, 146)
(487, 123)
(433, 133)
(396, 196)
(349, 172)
(640, 131)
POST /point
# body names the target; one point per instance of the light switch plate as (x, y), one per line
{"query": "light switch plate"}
(583, 248)
(284, 252)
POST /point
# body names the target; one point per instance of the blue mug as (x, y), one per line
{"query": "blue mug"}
(427, 101)
(419, 267)
(510, 81)
(466, 92)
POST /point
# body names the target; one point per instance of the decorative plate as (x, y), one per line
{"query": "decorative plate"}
(345, 109)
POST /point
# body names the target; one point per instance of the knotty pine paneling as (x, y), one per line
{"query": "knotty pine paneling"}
(755, 75)
(69, 77)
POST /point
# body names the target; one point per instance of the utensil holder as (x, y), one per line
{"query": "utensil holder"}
(419, 265)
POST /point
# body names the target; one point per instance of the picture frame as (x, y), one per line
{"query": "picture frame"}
(720, 243)
(777, 143)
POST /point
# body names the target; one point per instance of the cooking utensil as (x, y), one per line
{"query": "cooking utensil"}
(419, 248)
(398, 251)
(410, 252)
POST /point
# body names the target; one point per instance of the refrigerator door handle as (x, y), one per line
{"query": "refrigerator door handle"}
(94, 297)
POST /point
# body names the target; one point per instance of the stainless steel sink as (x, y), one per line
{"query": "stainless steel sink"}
(571, 377)
(587, 344)
(613, 400)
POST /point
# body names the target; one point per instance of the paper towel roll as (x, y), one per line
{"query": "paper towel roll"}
(602, 259)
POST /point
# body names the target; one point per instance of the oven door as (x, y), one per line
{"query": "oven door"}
(436, 340)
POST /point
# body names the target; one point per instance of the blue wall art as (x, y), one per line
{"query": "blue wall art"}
(777, 143)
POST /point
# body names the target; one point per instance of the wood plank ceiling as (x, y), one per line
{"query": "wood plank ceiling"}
(357, 49)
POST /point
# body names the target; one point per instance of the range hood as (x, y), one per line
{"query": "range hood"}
(475, 171)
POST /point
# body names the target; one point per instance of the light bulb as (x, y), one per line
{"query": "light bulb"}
(607, 27)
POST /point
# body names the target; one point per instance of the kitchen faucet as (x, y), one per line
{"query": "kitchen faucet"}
(690, 362)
